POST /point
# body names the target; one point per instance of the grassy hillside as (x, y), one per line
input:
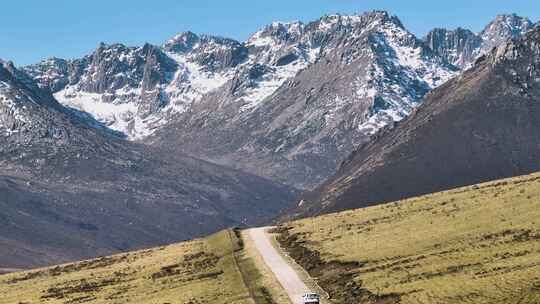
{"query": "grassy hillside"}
(478, 244)
(196, 272)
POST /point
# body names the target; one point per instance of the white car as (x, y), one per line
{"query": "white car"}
(311, 298)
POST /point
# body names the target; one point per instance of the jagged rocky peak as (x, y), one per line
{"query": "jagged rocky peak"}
(27, 112)
(186, 42)
(401, 67)
(182, 43)
(286, 33)
(459, 47)
(212, 53)
(277, 33)
(113, 67)
(360, 32)
(526, 47)
(283, 43)
(113, 74)
(123, 86)
(51, 73)
(504, 27)
(392, 30)
(158, 68)
(115, 83)
(331, 28)
(376, 18)
(519, 59)
(278, 44)
(218, 54)
(110, 68)
(14, 79)
(55, 74)
(364, 20)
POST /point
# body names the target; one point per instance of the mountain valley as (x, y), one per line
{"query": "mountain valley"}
(131, 147)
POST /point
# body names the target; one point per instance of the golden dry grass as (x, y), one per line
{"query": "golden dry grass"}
(478, 244)
(199, 271)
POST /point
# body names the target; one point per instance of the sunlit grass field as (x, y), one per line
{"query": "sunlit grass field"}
(199, 271)
(478, 244)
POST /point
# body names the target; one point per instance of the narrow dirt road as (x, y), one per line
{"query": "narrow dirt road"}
(285, 274)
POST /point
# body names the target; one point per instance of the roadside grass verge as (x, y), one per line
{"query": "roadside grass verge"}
(259, 280)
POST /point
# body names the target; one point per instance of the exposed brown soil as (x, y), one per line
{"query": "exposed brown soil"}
(58, 270)
(194, 265)
(80, 286)
(338, 279)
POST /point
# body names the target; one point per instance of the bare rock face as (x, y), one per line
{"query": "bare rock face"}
(72, 188)
(503, 28)
(210, 52)
(461, 47)
(28, 113)
(480, 126)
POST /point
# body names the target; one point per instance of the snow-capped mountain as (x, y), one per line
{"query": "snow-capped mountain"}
(307, 94)
(461, 47)
(120, 86)
(289, 103)
(30, 115)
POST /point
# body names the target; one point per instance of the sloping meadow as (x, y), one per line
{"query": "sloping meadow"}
(478, 244)
(195, 272)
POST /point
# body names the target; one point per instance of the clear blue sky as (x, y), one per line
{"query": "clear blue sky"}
(31, 30)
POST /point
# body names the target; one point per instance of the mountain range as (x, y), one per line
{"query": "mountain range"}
(287, 104)
(462, 47)
(479, 126)
(129, 147)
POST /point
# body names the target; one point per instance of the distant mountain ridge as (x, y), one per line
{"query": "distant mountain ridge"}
(288, 104)
(461, 47)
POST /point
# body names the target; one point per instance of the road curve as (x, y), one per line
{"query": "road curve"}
(285, 274)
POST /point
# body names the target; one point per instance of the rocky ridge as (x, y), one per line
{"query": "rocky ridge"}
(461, 47)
